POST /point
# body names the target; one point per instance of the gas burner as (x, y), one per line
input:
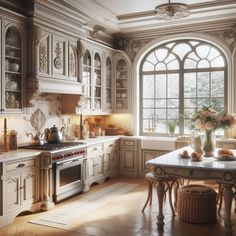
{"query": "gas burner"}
(52, 146)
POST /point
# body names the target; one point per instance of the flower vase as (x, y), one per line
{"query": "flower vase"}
(208, 144)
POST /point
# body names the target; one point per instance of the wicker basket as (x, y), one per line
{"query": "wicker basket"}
(197, 204)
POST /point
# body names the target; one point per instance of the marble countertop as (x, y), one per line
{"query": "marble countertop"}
(18, 154)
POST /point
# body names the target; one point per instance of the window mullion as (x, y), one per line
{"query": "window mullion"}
(181, 98)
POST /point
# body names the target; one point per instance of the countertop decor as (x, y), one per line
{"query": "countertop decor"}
(207, 120)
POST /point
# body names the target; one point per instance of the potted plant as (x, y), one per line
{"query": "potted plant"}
(171, 126)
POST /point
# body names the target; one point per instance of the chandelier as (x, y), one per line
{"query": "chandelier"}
(170, 11)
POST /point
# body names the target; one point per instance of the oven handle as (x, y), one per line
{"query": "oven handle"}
(72, 160)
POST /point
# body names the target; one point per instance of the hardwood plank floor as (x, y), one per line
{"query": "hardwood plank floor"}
(117, 218)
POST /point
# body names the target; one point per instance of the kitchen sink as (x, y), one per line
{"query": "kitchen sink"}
(158, 143)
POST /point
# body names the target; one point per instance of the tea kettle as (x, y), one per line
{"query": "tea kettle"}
(53, 135)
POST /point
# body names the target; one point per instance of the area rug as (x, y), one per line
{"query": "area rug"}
(67, 216)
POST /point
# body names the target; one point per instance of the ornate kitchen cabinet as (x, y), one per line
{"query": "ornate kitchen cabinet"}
(122, 84)
(54, 64)
(129, 157)
(20, 184)
(111, 158)
(13, 69)
(146, 155)
(94, 165)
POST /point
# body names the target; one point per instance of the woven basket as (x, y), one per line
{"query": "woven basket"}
(196, 204)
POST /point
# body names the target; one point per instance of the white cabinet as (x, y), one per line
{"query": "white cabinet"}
(122, 84)
(94, 164)
(13, 69)
(147, 155)
(19, 188)
(111, 158)
(129, 157)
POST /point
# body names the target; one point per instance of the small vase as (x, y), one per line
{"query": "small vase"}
(208, 145)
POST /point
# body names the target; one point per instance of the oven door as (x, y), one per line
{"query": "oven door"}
(68, 178)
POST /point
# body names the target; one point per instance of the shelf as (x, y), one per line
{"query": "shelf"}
(121, 99)
(121, 78)
(121, 88)
(15, 58)
(12, 72)
(12, 91)
(12, 47)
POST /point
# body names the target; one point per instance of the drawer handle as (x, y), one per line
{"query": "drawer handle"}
(111, 145)
(21, 165)
(95, 149)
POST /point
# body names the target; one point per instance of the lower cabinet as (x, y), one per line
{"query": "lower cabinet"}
(20, 186)
(129, 157)
(102, 162)
(147, 155)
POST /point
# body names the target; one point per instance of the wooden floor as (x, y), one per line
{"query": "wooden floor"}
(118, 218)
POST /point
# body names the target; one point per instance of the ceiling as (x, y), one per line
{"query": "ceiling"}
(126, 16)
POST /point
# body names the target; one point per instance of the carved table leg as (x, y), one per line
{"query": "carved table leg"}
(228, 198)
(160, 195)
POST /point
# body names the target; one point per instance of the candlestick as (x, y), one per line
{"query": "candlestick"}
(5, 126)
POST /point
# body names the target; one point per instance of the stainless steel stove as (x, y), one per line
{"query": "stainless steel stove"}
(68, 164)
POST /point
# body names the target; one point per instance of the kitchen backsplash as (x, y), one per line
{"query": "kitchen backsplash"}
(47, 112)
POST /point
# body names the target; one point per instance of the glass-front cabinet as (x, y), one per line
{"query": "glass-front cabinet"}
(121, 86)
(108, 87)
(97, 82)
(87, 81)
(12, 83)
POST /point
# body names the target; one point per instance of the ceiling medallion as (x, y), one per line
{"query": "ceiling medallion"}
(170, 11)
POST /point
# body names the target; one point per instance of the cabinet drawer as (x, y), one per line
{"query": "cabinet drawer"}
(20, 164)
(112, 145)
(129, 143)
(95, 149)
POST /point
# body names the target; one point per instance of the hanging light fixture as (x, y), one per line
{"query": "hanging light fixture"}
(170, 11)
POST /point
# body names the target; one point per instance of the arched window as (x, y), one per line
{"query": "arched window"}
(176, 78)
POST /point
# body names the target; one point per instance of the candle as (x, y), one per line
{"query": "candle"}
(81, 120)
(5, 125)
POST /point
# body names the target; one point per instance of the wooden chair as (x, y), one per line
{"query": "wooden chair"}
(169, 183)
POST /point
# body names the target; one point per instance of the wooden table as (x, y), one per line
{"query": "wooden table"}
(224, 172)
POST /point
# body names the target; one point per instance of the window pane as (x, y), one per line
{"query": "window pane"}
(173, 113)
(190, 85)
(213, 54)
(171, 57)
(161, 113)
(148, 103)
(189, 103)
(203, 51)
(161, 66)
(145, 125)
(173, 86)
(193, 56)
(203, 102)
(188, 113)
(217, 84)
(189, 63)
(147, 113)
(161, 54)
(161, 103)
(203, 64)
(182, 49)
(218, 62)
(173, 103)
(173, 65)
(161, 126)
(160, 86)
(148, 82)
(218, 103)
(147, 66)
(203, 84)
(152, 58)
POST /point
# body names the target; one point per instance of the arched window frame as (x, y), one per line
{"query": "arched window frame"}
(181, 71)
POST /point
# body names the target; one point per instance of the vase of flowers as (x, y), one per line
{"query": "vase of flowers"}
(208, 120)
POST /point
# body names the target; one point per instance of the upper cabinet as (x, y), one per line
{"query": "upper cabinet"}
(122, 85)
(13, 68)
(54, 67)
(107, 85)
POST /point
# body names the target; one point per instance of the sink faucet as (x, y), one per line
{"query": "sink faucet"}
(152, 125)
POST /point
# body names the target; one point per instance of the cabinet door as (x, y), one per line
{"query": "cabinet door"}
(14, 68)
(107, 85)
(114, 160)
(12, 192)
(128, 160)
(95, 166)
(107, 164)
(122, 95)
(29, 188)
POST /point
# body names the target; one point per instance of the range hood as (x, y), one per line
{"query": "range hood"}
(53, 85)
